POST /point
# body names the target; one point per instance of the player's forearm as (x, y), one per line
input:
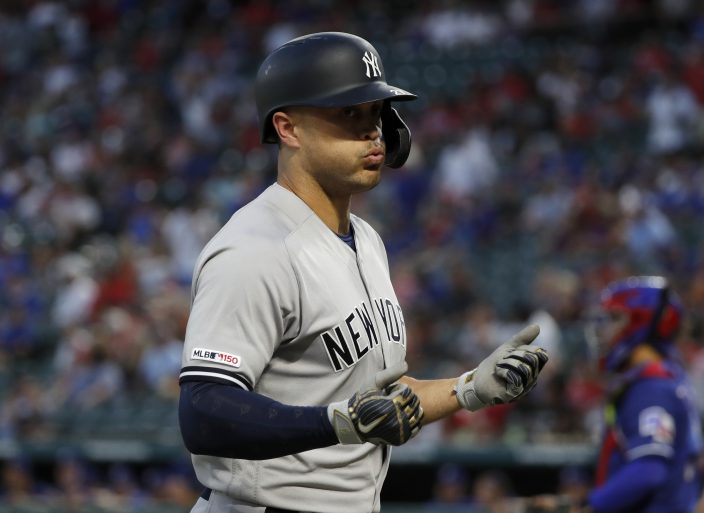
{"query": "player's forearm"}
(226, 421)
(436, 397)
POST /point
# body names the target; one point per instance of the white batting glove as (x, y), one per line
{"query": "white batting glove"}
(507, 374)
(386, 413)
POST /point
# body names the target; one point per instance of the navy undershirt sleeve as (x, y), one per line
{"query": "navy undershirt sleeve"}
(630, 485)
(227, 421)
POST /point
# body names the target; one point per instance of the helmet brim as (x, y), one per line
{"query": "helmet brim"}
(370, 92)
(356, 95)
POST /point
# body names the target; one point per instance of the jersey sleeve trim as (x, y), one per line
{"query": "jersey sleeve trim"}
(195, 373)
(663, 450)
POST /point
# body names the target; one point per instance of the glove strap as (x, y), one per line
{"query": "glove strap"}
(464, 378)
(466, 394)
(342, 423)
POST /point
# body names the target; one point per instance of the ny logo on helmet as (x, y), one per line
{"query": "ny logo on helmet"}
(372, 64)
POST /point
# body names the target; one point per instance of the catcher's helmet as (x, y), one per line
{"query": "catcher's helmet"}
(330, 69)
(634, 311)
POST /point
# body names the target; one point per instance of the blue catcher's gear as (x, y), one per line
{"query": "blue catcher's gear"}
(636, 310)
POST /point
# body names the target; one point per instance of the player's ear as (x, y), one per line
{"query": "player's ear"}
(285, 125)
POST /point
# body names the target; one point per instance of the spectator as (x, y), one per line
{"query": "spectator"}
(85, 378)
(19, 488)
(77, 291)
(23, 415)
(451, 487)
(673, 112)
(492, 492)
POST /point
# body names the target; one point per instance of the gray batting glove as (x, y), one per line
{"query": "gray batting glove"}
(507, 374)
(386, 413)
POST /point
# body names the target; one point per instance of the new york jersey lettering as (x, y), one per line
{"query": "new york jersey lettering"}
(392, 318)
(351, 340)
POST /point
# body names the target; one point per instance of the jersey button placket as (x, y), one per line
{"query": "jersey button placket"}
(370, 299)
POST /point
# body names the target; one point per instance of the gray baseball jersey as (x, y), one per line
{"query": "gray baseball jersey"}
(283, 307)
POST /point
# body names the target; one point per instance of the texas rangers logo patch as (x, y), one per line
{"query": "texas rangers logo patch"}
(210, 355)
(657, 423)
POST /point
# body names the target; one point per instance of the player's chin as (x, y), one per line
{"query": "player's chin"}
(365, 180)
(371, 174)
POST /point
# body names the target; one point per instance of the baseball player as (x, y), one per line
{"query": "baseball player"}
(648, 461)
(293, 384)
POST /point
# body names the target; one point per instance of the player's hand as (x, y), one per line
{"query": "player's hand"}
(387, 413)
(507, 374)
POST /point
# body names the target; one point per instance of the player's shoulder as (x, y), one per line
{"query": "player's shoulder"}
(654, 391)
(256, 234)
(654, 385)
(267, 220)
(275, 213)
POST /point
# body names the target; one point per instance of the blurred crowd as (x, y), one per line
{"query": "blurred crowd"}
(557, 146)
(72, 485)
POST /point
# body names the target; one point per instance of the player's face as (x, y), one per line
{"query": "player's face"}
(603, 329)
(342, 147)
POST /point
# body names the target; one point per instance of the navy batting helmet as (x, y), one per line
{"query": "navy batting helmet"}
(330, 69)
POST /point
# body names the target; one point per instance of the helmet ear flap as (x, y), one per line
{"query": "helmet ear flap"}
(669, 323)
(397, 136)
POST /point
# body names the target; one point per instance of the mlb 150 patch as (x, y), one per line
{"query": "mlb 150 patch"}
(200, 353)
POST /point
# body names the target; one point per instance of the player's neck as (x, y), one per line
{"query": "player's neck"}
(643, 354)
(333, 211)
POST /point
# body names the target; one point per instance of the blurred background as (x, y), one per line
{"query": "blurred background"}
(557, 146)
